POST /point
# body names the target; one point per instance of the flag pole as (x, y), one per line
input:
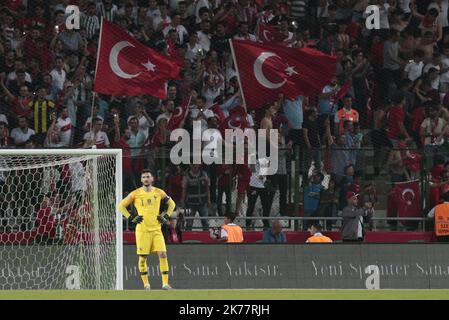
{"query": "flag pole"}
(94, 94)
(98, 49)
(238, 73)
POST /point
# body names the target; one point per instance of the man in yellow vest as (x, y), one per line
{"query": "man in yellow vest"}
(440, 214)
(230, 232)
(316, 235)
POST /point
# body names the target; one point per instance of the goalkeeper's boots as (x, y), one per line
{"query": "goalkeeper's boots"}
(167, 287)
(147, 287)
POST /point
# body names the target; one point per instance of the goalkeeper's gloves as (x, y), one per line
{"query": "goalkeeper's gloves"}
(163, 219)
(135, 219)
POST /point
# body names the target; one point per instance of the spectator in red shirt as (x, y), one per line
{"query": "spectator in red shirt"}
(20, 104)
(173, 182)
(224, 184)
(13, 5)
(162, 135)
(8, 62)
(418, 116)
(45, 220)
(243, 179)
(5, 140)
(121, 136)
(38, 19)
(43, 55)
(30, 48)
(172, 231)
(440, 178)
(396, 118)
(20, 80)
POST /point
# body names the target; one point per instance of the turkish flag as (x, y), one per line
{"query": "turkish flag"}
(216, 109)
(405, 200)
(266, 71)
(344, 88)
(235, 120)
(125, 67)
(179, 114)
(270, 34)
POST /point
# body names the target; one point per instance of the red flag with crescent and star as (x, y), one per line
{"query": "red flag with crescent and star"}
(405, 200)
(179, 115)
(126, 67)
(270, 34)
(236, 120)
(266, 71)
(216, 109)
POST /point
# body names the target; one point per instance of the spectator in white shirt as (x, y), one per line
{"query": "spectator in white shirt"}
(257, 189)
(107, 10)
(198, 9)
(153, 10)
(88, 123)
(405, 5)
(53, 138)
(58, 74)
(96, 137)
(415, 67)
(18, 66)
(444, 72)
(163, 20)
(243, 33)
(22, 134)
(194, 49)
(384, 11)
(64, 127)
(176, 24)
(434, 65)
(442, 6)
(3, 118)
(204, 35)
(145, 122)
(211, 90)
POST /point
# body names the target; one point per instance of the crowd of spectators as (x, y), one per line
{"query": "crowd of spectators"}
(397, 81)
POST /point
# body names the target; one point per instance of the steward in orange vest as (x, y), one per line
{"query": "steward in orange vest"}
(230, 232)
(440, 213)
(316, 236)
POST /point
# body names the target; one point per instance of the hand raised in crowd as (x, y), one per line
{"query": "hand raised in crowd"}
(116, 120)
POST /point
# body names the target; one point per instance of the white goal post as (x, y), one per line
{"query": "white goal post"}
(59, 223)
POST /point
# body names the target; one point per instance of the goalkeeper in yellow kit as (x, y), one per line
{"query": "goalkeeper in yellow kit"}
(148, 200)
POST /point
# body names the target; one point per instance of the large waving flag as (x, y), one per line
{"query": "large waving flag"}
(266, 71)
(125, 67)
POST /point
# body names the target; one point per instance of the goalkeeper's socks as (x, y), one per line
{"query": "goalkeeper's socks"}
(163, 265)
(146, 282)
(143, 269)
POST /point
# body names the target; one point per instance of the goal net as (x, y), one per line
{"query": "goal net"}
(59, 227)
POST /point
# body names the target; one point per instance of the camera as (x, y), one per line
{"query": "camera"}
(215, 232)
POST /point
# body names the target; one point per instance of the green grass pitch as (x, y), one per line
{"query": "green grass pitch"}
(269, 294)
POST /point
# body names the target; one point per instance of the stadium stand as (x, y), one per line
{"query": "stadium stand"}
(380, 129)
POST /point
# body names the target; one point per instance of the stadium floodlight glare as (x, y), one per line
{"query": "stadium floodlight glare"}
(59, 224)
